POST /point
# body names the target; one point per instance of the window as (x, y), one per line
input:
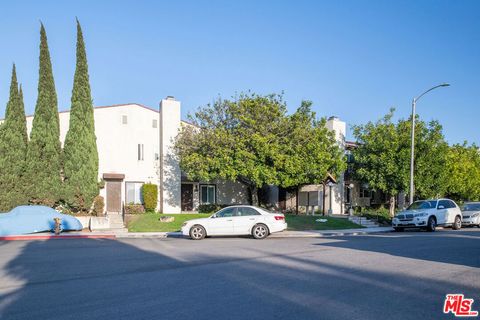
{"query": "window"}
(134, 192)
(364, 192)
(156, 155)
(140, 151)
(124, 119)
(154, 123)
(207, 194)
(246, 211)
(451, 204)
(227, 212)
(443, 203)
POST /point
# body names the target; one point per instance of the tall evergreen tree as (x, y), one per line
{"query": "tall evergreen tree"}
(13, 149)
(80, 150)
(43, 167)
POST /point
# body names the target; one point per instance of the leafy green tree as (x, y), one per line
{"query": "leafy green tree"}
(463, 168)
(13, 148)
(379, 158)
(309, 151)
(80, 149)
(383, 157)
(431, 151)
(43, 165)
(252, 140)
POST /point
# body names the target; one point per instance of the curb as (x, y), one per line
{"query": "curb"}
(52, 237)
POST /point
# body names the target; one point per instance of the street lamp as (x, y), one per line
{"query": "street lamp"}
(350, 200)
(330, 185)
(414, 105)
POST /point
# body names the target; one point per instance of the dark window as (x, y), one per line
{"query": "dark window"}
(227, 212)
(140, 151)
(207, 194)
(246, 211)
(443, 203)
(451, 204)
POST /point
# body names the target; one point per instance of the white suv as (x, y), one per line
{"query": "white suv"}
(428, 214)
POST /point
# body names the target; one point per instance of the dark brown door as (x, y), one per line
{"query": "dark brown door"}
(114, 196)
(187, 197)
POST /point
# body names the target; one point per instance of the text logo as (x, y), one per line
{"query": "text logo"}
(459, 305)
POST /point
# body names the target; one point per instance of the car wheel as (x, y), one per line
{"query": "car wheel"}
(431, 224)
(197, 232)
(397, 229)
(260, 231)
(457, 224)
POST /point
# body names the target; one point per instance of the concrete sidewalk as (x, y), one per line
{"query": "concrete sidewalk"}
(152, 235)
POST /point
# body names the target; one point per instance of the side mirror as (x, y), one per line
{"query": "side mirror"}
(213, 217)
(441, 207)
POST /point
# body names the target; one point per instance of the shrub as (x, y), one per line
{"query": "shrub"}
(210, 208)
(134, 208)
(150, 196)
(98, 206)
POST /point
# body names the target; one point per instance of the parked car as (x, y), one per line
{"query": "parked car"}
(31, 219)
(236, 220)
(428, 214)
(471, 214)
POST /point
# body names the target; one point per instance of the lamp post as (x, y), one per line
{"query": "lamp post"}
(414, 105)
(330, 185)
(350, 200)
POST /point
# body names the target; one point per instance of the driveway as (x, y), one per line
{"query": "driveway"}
(382, 276)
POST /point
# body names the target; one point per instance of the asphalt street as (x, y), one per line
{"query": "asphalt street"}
(382, 276)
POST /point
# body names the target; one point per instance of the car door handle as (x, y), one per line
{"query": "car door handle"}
(251, 219)
(229, 220)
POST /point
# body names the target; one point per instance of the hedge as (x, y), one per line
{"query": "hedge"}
(150, 196)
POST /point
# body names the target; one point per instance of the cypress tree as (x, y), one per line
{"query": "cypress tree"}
(43, 167)
(80, 149)
(13, 149)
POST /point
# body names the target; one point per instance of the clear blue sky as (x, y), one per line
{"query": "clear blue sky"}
(353, 59)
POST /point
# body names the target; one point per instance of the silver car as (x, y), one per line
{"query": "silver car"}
(471, 214)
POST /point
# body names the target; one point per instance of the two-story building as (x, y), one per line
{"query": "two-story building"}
(135, 146)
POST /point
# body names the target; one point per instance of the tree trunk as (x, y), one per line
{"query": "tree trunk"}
(253, 195)
(392, 206)
(296, 202)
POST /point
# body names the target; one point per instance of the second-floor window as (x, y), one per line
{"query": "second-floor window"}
(124, 119)
(140, 151)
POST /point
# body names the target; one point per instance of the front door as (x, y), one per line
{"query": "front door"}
(187, 197)
(114, 196)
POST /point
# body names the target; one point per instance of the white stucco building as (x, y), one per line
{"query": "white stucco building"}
(135, 147)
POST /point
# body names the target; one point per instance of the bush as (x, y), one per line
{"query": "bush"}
(98, 206)
(134, 208)
(150, 196)
(210, 208)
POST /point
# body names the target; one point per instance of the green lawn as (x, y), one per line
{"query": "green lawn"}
(149, 222)
(299, 223)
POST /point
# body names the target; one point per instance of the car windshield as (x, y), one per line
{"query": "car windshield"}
(471, 207)
(432, 204)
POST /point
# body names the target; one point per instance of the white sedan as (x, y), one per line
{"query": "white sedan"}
(471, 214)
(236, 220)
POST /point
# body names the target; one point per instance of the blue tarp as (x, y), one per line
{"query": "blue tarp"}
(31, 219)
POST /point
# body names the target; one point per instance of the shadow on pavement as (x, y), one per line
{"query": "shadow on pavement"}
(109, 279)
(442, 246)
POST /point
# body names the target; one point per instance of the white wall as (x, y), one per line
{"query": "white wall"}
(117, 143)
(338, 190)
(170, 187)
